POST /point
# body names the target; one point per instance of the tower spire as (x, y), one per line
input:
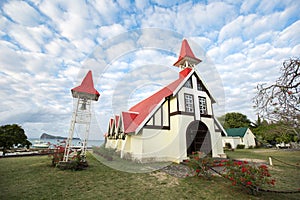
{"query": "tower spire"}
(186, 56)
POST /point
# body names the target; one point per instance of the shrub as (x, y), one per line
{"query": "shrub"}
(240, 173)
(57, 155)
(201, 165)
(77, 162)
(228, 145)
(240, 146)
(250, 176)
(250, 147)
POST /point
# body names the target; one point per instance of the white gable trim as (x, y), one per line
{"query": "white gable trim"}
(185, 80)
(220, 125)
(205, 85)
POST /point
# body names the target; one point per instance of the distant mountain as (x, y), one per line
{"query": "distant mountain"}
(48, 136)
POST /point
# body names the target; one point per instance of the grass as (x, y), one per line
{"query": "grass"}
(33, 178)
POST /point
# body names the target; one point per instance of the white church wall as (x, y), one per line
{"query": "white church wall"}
(216, 141)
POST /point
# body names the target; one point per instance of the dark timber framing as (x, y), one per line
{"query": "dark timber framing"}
(161, 123)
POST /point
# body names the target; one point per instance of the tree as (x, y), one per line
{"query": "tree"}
(11, 135)
(235, 120)
(281, 100)
(274, 132)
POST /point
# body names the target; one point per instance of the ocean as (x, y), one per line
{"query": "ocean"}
(77, 142)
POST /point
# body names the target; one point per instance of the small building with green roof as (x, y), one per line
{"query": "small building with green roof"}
(236, 136)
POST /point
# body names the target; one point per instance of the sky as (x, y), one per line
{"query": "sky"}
(47, 47)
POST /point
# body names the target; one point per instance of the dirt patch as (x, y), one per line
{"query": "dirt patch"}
(264, 150)
(165, 179)
(258, 161)
(178, 170)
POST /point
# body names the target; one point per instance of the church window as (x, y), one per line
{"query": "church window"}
(202, 105)
(188, 84)
(189, 103)
(200, 86)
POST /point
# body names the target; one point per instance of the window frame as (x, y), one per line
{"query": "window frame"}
(189, 106)
(201, 106)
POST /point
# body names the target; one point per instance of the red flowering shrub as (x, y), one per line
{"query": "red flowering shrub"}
(57, 155)
(201, 165)
(251, 176)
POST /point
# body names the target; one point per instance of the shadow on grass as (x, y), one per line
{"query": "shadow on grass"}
(112, 159)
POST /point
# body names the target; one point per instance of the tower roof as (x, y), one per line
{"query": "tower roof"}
(186, 54)
(86, 88)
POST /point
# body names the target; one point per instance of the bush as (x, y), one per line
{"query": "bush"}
(77, 162)
(201, 165)
(240, 173)
(228, 145)
(252, 177)
(250, 147)
(240, 146)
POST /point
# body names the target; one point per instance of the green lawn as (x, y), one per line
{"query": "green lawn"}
(33, 178)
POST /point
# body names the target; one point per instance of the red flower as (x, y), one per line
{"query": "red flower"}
(249, 183)
(197, 170)
(263, 166)
(238, 163)
(272, 182)
(245, 162)
(244, 169)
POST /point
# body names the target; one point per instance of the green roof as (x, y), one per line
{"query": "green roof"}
(236, 132)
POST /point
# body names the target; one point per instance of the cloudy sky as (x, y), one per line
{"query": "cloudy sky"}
(47, 47)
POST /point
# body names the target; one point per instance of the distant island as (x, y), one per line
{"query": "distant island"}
(48, 136)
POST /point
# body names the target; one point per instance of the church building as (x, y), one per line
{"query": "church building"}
(172, 123)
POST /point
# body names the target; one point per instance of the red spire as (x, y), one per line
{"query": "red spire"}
(86, 88)
(186, 53)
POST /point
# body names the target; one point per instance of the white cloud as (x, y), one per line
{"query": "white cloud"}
(249, 6)
(111, 31)
(46, 48)
(22, 13)
(289, 36)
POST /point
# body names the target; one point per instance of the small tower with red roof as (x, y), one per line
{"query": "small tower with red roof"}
(186, 57)
(83, 94)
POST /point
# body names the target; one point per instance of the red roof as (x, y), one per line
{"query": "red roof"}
(128, 118)
(138, 113)
(186, 53)
(86, 87)
(111, 121)
(117, 117)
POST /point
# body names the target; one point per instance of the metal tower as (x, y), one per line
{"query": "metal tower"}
(84, 95)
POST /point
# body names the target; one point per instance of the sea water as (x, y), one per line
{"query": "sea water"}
(75, 142)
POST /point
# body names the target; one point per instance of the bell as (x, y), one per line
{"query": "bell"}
(83, 106)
